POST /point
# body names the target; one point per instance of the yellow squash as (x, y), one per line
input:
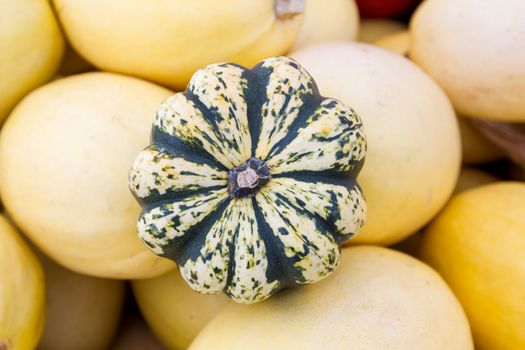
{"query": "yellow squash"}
(65, 153)
(30, 49)
(377, 299)
(21, 292)
(477, 245)
(474, 50)
(167, 41)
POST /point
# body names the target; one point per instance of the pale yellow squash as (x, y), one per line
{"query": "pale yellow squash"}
(22, 303)
(377, 299)
(166, 41)
(30, 49)
(413, 156)
(175, 313)
(477, 245)
(82, 312)
(474, 49)
(336, 20)
(65, 153)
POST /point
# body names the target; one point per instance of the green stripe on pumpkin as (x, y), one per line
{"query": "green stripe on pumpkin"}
(289, 88)
(220, 89)
(161, 224)
(156, 172)
(331, 138)
(179, 117)
(305, 238)
(342, 207)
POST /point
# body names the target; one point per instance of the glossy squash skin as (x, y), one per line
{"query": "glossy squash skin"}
(249, 184)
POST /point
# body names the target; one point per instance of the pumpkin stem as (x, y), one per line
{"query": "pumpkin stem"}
(246, 179)
(287, 9)
(509, 137)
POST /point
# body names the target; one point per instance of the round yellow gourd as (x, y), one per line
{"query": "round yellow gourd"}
(30, 49)
(65, 153)
(476, 148)
(474, 49)
(470, 178)
(377, 299)
(82, 312)
(339, 20)
(175, 313)
(477, 245)
(167, 41)
(413, 156)
(371, 30)
(22, 300)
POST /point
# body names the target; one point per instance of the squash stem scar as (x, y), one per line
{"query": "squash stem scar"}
(246, 179)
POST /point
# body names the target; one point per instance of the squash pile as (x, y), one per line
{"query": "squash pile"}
(262, 174)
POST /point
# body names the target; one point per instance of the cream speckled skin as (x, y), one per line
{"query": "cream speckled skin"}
(31, 47)
(474, 50)
(284, 233)
(22, 303)
(414, 153)
(167, 41)
(378, 299)
(65, 152)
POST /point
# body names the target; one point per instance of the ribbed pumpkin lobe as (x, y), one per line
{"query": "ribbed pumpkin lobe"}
(246, 179)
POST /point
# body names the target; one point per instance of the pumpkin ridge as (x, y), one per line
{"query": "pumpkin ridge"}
(210, 246)
(171, 215)
(175, 146)
(278, 269)
(157, 174)
(288, 81)
(256, 94)
(248, 259)
(304, 113)
(208, 116)
(340, 203)
(307, 245)
(180, 117)
(196, 235)
(153, 201)
(331, 137)
(330, 176)
(218, 91)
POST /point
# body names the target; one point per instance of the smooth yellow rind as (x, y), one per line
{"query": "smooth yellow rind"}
(477, 245)
(31, 47)
(22, 303)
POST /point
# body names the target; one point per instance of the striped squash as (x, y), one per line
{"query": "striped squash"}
(250, 181)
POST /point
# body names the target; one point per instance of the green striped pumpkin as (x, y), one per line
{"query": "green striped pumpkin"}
(250, 181)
